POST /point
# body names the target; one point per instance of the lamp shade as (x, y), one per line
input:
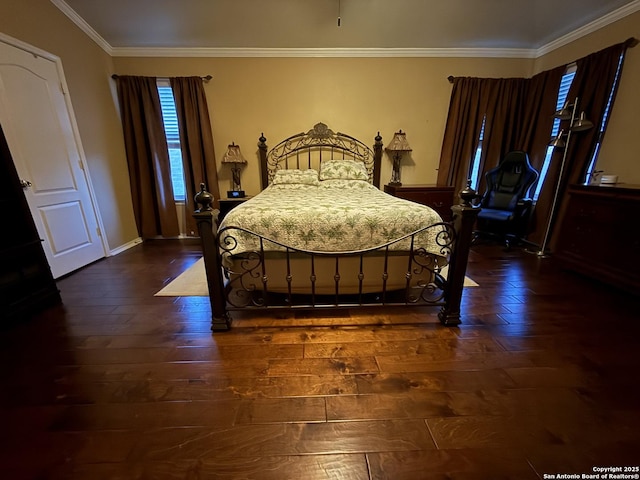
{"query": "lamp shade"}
(582, 124)
(564, 113)
(559, 141)
(399, 143)
(233, 155)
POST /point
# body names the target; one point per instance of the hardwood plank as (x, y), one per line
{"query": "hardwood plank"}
(281, 410)
(171, 370)
(433, 347)
(443, 464)
(423, 404)
(246, 441)
(369, 407)
(490, 431)
(312, 467)
(440, 381)
(453, 361)
(323, 366)
(141, 416)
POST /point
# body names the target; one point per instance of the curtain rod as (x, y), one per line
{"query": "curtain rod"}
(204, 79)
(629, 43)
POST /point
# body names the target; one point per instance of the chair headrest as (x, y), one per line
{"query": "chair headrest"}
(515, 162)
(517, 156)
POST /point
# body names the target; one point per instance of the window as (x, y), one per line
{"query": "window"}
(603, 124)
(475, 163)
(170, 119)
(563, 93)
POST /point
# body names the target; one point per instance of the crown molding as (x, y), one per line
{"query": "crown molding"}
(324, 52)
(82, 25)
(602, 22)
(347, 52)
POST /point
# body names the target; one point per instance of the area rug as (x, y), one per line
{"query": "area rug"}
(193, 283)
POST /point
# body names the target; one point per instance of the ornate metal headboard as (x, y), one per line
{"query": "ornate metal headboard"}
(308, 150)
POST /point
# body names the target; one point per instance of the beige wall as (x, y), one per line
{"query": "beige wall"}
(282, 96)
(620, 153)
(87, 70)
(358, 96)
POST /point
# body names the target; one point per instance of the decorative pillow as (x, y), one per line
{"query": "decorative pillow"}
(291, 186)
(346, 184)
(343, 170)
(296, 177)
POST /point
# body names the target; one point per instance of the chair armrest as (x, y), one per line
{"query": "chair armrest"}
(523, 207)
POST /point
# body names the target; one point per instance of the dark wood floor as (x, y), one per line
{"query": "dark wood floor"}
(541, 378)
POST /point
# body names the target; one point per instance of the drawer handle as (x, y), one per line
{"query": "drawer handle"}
(438, 204)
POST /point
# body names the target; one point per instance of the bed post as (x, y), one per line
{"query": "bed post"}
(207, 221)
(464, 217)
(377, 160)
(262, 151)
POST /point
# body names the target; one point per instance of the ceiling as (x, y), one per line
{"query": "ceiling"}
(525, 25)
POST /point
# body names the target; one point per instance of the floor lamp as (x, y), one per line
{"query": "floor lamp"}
(576, 124)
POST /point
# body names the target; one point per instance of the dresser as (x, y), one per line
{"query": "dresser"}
(438, 197)
(599, 234)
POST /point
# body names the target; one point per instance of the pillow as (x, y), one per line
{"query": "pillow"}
(346, 184)
(343, 170)
(296, 177)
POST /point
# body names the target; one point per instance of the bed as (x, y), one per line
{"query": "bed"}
(321, 233)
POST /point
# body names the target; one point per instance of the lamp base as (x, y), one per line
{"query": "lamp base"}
(395, 183)
(235, 194)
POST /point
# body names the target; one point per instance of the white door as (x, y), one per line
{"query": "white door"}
(39, 125)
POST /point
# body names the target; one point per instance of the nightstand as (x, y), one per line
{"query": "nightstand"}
(228, 204)
(438, 197)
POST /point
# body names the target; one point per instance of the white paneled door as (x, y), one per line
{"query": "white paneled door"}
(39, 125)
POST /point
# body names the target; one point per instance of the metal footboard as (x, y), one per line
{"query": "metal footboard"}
(336, 279)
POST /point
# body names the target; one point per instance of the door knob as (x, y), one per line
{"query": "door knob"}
(25, 184)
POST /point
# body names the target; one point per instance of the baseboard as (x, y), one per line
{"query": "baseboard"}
(126, 246)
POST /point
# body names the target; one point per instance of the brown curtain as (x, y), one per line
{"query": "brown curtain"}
(511, 109)
(519, 116)
(196, 141)
(594, 82)
(462, 132)
(536, 119)
(501, 105)
(533, 135)
(147, 157)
